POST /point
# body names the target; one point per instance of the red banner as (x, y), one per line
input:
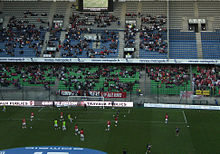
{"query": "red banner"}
(95, 93)
(113, 94)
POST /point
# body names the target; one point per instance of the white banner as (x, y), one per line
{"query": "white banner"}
(182, 106)
(65, 103)
(112, 60)
(16, 103)
(107, 103)
(123, 104)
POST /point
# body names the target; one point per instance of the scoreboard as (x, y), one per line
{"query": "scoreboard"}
(96, 5)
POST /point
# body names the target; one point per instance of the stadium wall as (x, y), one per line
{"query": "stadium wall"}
(113, 0)
(110, 60)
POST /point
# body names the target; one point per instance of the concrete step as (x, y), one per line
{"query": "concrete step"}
(6, 20)
(122, 15)
(46, 39)
(199, 45)
(52, 12)
(121, 44)
(137, 47)
(67, 15)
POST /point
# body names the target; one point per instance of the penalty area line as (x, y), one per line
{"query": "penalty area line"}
(40, 109)
(184, 116)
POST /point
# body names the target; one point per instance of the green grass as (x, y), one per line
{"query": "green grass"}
(140, 127)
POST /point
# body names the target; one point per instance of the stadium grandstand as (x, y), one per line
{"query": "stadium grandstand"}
(140, 51)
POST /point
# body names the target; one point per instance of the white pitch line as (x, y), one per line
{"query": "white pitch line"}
(184, 115)
(41, 109)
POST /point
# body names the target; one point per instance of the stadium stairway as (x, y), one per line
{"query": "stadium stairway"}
(56, 86)
(191, 77)
(121, 45)
(46, 39)
(150, 97)
(62, 38)
(196, 9)
(143, 81)
(64, 8)
(121, 33)
(137, 38)
(52, 12)
(122, 15)
(137, 47)
(145, 86)
(6, 20)
(138, 18)
(199, 45)
(67, 15)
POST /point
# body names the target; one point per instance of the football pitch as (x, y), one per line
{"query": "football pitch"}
(137, 128)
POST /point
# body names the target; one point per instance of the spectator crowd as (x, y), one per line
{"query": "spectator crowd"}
(169, 75)
(206, 78)
(20, 36)
(77, 45)
(153, 33)
(73, 77)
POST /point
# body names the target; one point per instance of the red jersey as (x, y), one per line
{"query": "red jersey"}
(82, 132)
(116, 118)
(76, 127)
(61, 114)
(166, 116)
(108, 123)
(23, 121)
(32, 114)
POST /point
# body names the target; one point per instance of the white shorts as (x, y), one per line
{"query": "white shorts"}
(32, 117)
(61, 117)
(55, 125)
(64, 127)
(108, 126)
(24, 124)
(166, 119)
(81, 135)
(76, 130)
(116, 122)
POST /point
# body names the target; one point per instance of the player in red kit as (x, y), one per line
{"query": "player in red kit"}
(81, 135)
(24, 123)
(76, 129)
(108, 125)
(32, 116)
(166, 118)
(61, 116)
(116, 121)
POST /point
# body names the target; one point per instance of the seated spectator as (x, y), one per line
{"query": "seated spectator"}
(177, 75)
(151, 33)
(20, 35)
(206, 78)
